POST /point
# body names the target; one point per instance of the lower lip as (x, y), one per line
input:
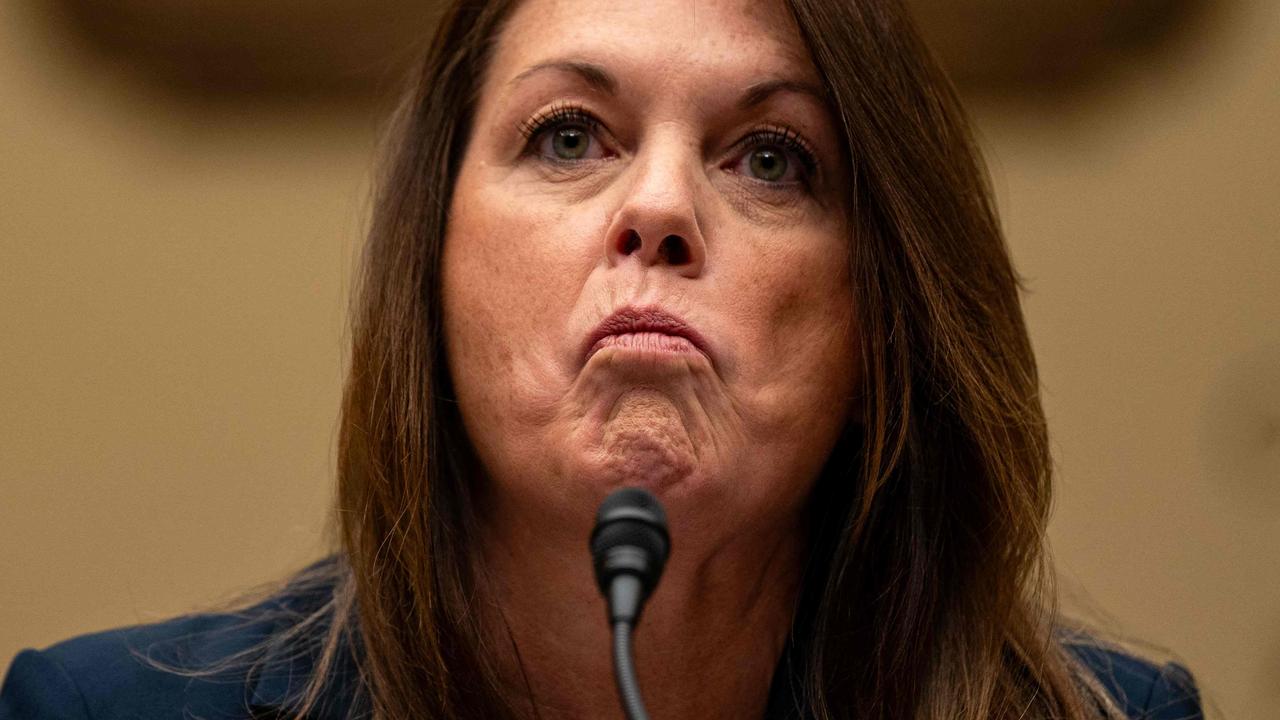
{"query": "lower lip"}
(646, 342)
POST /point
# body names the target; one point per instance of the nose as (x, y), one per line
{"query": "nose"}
(657, 221)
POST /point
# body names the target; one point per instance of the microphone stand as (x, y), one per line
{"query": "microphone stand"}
(629, 548)
(624, 670)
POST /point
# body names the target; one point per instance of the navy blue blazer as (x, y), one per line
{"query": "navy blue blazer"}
(103, 675)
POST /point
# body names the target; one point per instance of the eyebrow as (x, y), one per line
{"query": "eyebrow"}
(602, 80)
(761, 91)
(590, 73)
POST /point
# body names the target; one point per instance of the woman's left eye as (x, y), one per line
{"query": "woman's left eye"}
(770, 164)
(776, 156)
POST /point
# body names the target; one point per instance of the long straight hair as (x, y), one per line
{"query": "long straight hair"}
(925, 595)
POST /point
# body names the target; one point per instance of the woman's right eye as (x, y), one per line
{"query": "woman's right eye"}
(568, 142)
(564, 134)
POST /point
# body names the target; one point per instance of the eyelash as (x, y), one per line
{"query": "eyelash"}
(787, 139)
(532, 128)
(774, 135)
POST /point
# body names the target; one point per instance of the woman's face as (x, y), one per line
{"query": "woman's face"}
(671, 161)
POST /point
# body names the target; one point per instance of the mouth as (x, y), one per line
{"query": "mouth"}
(648, 327)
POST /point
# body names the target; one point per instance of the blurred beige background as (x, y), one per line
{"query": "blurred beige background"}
(174, 263)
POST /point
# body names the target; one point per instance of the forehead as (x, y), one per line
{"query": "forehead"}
(657, 40)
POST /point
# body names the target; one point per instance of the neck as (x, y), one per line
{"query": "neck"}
(708, 642)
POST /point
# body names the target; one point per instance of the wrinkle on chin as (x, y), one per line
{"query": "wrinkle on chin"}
(645, 441)
(691, 392)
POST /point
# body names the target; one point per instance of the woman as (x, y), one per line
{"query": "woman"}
(741, 254)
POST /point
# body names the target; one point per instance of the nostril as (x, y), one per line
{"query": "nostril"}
(673, 250)
(630, 242)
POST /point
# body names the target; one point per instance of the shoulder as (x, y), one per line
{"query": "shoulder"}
(200, 665)
(121, 672)
(1142, 689)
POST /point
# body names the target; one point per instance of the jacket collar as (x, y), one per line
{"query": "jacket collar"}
(282, 680)
(279, 682)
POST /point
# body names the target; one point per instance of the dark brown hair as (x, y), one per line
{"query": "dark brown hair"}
(925, 594)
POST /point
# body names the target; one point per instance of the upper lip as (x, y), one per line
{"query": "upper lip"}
(632, 319)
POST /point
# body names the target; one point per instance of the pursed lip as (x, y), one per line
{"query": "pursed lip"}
(653, 319)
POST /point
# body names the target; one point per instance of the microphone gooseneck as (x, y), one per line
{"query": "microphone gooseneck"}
(629, 548)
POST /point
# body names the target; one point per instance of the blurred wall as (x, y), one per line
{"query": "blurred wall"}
(173, 272)
(1145, 218)
(173, 279)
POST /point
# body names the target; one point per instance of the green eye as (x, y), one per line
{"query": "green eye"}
(768, 164)
(565, 134)
(570, 142)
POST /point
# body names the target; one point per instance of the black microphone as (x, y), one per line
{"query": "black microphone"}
(629, 548)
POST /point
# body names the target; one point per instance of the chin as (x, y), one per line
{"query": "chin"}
(592, 471)
(653, 467)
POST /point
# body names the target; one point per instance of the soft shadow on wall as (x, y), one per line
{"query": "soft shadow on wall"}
(338, 48)
(340, 51)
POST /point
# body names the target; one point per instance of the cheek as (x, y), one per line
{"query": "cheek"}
(492, 260)
(512, 273)
(802, 337)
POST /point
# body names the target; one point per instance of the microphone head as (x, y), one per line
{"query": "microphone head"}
(630, 538)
